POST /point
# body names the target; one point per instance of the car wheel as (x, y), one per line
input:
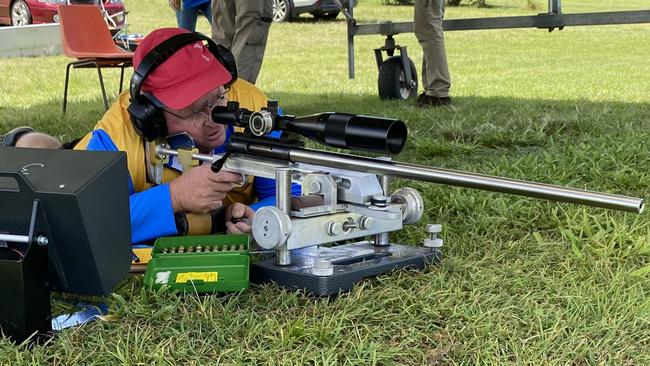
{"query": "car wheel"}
(325, 16)
(20, 14)
(392, 80)
(281, 10)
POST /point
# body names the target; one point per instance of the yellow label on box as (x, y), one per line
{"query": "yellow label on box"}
(195, 276)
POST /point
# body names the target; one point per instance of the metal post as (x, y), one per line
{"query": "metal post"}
(351, 24)
(14, 238)
(383, 239)
(283, 202)
(554, 7)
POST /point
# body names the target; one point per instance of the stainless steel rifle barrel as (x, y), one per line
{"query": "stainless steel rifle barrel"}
(468, 180)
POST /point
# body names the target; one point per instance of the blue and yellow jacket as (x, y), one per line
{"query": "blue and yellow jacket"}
(152, 215)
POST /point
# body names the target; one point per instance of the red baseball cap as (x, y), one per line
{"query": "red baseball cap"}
(185, 76)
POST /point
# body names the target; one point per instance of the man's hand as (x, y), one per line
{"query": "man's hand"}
(239, 218)
(201, 190)
(175, 4)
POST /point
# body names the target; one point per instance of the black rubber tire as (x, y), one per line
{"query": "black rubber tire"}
(391, 78)
(326, 16)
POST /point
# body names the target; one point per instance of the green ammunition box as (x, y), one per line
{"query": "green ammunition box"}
(210, 263)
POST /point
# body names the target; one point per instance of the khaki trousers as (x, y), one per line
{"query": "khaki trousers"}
(427, 25)
(243, 27)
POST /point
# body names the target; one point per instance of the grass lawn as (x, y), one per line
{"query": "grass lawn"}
(523, 281)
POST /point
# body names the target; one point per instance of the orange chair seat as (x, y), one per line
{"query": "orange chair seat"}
(85, 36)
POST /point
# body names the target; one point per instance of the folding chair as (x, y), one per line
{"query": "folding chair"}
(86, 37)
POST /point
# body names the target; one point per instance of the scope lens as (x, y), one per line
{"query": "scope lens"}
(396, 137)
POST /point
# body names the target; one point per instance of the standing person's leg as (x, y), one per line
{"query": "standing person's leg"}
(187, 18)
(223, 22)
(252, 23)
(179, 18)
(176, 7)
(206, 10)
(427, 25)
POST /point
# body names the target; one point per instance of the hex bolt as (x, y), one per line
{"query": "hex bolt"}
(365, 222)
(433, 241)
(379, 201)
(42, 240)
(350, 224)
(334, 228)
(322, 268)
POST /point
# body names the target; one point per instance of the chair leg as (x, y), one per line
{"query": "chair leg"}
(101, 83)
(121, 77)
(65, 89)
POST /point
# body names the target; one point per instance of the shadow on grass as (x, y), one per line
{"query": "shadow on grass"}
(471, 117)
(48, 117)
(490, 122)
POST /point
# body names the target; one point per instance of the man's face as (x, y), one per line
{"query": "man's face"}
(197, 122)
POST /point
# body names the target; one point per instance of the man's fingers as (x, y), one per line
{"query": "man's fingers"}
(238, 228)
(232, 228)
(229, 177)
(221, 187)
(238, 210)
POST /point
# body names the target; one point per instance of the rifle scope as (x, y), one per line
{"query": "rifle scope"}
(349, 131)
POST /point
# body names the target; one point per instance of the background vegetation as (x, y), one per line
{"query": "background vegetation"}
(523, 281)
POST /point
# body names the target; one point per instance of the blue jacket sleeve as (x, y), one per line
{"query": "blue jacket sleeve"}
(152, 215)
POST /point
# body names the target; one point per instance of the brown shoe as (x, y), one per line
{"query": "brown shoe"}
(425, 100)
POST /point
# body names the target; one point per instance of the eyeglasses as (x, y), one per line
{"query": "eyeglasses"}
(203, 111)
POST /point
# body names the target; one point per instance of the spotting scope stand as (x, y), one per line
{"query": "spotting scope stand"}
(345, 199)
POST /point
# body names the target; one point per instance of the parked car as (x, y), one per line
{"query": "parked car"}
(285, 10)
(23, 12)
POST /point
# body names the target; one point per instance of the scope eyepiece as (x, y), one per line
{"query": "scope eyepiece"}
(261, 123)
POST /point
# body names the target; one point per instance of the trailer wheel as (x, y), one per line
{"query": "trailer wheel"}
(392, 80)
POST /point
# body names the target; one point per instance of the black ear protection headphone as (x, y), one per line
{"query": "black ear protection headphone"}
(146, 116)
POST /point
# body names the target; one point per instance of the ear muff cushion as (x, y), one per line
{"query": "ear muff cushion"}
(147, 119)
